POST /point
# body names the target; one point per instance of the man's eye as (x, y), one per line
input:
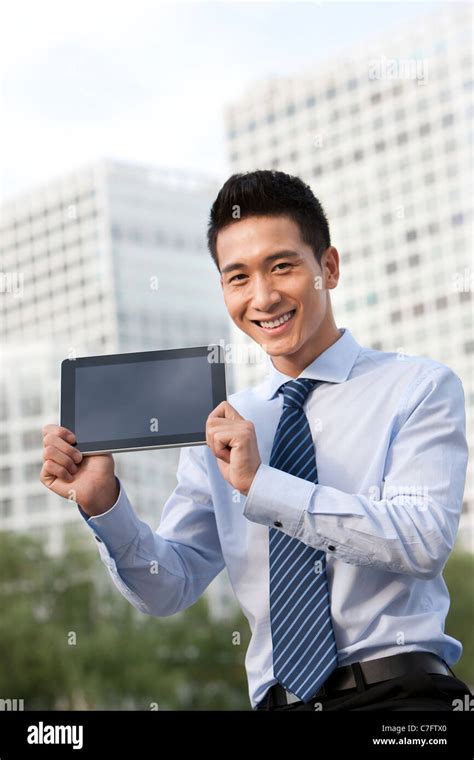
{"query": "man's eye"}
(282, 264)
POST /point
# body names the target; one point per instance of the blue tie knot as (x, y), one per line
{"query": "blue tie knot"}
(295, 392)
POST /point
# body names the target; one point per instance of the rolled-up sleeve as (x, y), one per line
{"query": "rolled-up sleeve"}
(164, 571)
(406, 524)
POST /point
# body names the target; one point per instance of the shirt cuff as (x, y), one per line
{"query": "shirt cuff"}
(117, 527)
(278, 499)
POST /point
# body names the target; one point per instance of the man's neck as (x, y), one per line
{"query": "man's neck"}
(294, 364)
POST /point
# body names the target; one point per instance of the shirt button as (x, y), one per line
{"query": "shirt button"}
(278, 524)
(98, 539)
(331, 548)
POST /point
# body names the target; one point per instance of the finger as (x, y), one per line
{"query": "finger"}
(51, 453)
(221, 451)
(60, 431)
(234, 428)
(224, 409)
(52, 468)
(59, 443)
(230, 428)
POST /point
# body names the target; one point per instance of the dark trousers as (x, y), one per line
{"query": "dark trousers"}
(415, 691)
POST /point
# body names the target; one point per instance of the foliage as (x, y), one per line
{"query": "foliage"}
(459, 577)
(70, 641)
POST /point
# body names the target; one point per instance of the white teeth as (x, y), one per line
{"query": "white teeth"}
(279, 321)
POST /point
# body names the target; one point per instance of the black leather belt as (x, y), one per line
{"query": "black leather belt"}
(367, 673)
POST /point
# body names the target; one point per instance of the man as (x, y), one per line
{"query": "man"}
(331, 491)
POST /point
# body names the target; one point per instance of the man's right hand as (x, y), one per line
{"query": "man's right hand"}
(89, 481)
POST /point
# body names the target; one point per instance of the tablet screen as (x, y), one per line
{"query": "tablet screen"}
(143, 398)
(149, 399)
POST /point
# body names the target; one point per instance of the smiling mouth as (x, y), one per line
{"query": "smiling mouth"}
(276, 323)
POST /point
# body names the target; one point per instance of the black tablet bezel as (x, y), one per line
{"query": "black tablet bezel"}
(195, 438)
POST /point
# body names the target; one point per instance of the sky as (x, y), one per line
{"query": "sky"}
(147, 81)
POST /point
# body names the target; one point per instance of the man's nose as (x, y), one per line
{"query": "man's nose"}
(264, 296)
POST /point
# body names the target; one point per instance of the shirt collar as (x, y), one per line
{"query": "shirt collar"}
(334, 365)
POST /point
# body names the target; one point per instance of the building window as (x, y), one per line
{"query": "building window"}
(447, 120)
(36, 502)
(30, 405)
(391, 267)
(413, 261)
(31, 471)
(441, 302)
(419, 308)
(31, 439)
(6, 507)
(396, 316)
(5, 475)
(135, 235)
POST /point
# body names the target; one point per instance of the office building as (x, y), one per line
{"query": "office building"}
(382, 133)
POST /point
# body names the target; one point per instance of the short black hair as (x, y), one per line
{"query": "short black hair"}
(269, 193)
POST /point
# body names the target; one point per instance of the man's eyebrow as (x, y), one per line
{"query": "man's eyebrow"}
(267, 259)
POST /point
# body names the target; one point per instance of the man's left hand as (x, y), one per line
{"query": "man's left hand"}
(233, 442)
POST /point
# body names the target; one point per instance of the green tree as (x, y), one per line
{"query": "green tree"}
(459, 577)
(70, 641)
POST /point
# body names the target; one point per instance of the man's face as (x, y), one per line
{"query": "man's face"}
(291, 284)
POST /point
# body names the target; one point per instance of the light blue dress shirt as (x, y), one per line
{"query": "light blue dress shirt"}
(389, 433)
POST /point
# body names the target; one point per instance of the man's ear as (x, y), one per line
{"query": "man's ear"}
(331, 266)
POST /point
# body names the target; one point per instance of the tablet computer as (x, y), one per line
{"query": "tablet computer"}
(142, 400)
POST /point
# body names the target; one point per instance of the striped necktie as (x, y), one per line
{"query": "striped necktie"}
(304, 647)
